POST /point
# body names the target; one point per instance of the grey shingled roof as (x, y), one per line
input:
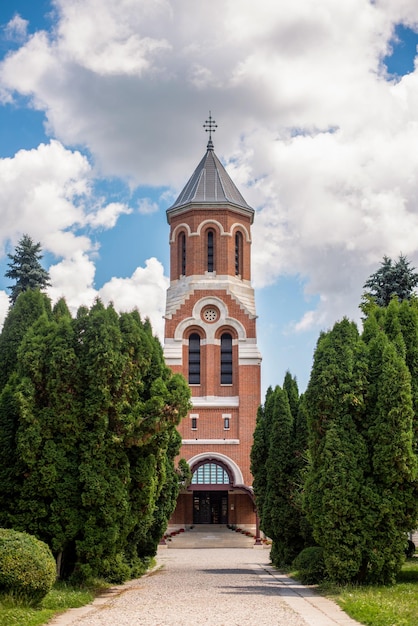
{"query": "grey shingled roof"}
(210, 184)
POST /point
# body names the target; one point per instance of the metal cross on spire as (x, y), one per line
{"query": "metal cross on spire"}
(210, 127)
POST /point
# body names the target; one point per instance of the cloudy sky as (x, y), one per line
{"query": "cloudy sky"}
(101, 113)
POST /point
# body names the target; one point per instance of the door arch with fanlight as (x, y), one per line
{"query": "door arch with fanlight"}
(210, 483)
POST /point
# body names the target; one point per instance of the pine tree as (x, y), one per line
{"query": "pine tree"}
(26, 269)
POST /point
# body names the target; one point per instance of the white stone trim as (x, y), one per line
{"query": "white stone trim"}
(173, 352)
(209, 442)
(215, 402)
(248, 353)
(210, 328)
(182, 288)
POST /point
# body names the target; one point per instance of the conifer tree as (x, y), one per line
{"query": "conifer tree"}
(361, 487)
(276, 471)
(392, 279)
(279, 519)
(259, 453)
(338, 457)
(26, 269)
(95, 411)
(19, 318)
(393, 464)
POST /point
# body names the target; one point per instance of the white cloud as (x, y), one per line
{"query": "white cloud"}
(147, 206)
(320, 142)
(145, 290)
(16, 28)
(47, 192)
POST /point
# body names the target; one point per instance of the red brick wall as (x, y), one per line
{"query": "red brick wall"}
(196, 254)
(246, 378)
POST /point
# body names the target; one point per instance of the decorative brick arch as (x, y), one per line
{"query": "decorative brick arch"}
(210, 329)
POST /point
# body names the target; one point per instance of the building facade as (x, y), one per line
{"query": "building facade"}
(210, 338)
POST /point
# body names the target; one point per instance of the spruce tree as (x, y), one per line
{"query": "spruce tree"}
(26, 269)
(392, 279)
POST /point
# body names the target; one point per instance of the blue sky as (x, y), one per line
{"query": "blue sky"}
(101, 113)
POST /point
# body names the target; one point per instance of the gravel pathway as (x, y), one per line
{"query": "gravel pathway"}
(214, 587)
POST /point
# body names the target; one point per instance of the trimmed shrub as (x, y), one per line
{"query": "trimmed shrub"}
(27, 567)
(310, 565)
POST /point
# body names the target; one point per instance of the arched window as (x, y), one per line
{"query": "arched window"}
(182, 254)
(238, 253)
(211, 474)
(211, 250)
(194, 359)
(226, 359)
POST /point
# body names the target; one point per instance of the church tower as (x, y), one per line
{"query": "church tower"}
(210, 338)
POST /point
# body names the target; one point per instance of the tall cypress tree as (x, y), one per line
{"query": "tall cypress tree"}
(19, 319)
(30, 307)
(393, 464)
(338, 458)
(259, 454)
(279, 515)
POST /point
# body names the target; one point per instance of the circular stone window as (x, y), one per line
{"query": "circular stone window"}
(210, 314)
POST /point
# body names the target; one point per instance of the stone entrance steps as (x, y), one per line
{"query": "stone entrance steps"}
(210, 536)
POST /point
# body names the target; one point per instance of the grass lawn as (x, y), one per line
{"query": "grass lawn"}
(59, 599)
(381, 606)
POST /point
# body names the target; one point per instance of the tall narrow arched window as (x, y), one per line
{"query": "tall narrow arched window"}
(182, 254)
(238, 253)
(211, 250)
(194, 359)
(226, 359)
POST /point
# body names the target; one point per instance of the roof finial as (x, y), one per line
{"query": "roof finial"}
(210, 126)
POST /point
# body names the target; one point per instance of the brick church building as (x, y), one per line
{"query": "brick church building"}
(210, 337)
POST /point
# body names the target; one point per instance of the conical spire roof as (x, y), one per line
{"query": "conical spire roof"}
(210, 185)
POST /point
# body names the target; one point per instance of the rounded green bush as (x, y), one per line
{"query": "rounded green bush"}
(27, 567)
(310, 565)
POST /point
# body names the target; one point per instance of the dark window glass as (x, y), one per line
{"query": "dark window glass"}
(226, 423)
(182, 252)
(226, 359)
(194, 359)
(211, 251)
(238, 254)
(194, 423)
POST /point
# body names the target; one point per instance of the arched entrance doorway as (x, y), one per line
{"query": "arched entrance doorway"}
(210, 483)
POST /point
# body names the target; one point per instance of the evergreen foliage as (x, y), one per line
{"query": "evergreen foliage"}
(361, 485)
(19, 318)
(27, 567)
(276, 463)
(87, 454)
(392, 279)
(26, 269)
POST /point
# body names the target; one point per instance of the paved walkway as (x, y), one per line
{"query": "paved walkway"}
(214, 587)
